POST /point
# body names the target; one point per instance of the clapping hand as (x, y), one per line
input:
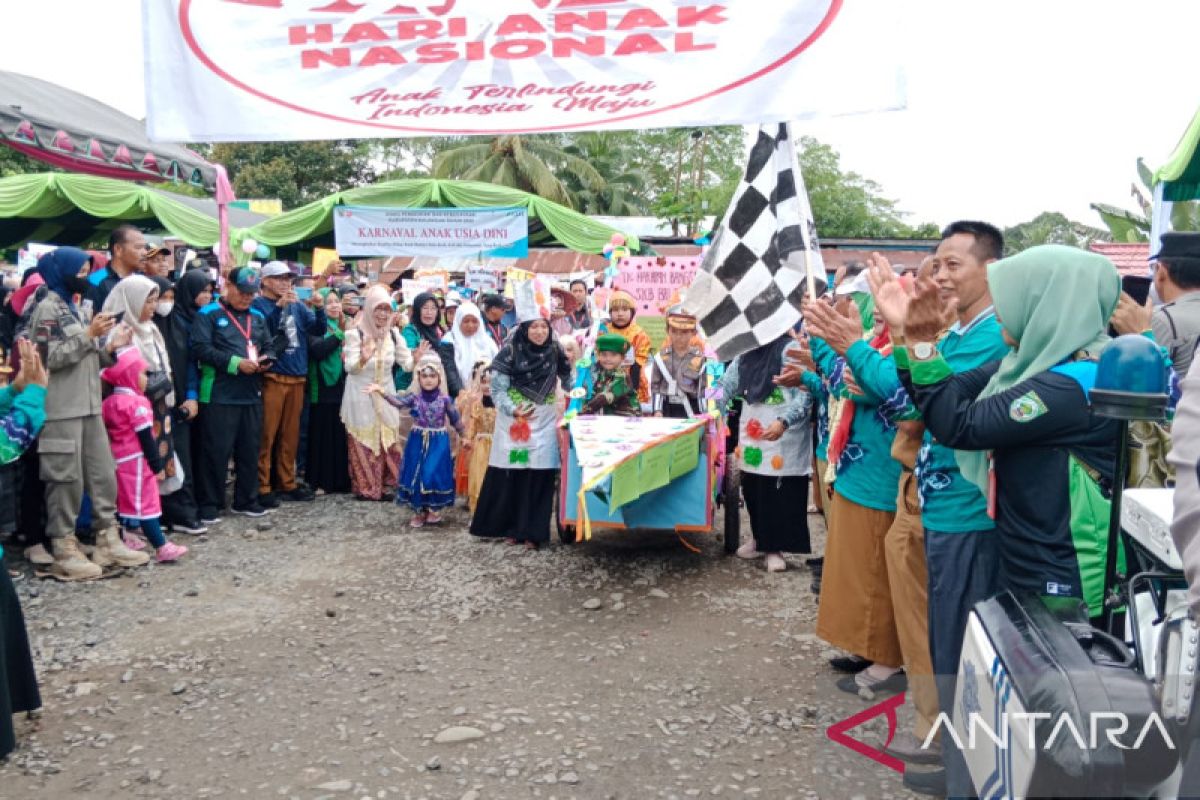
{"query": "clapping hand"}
(928, 314)
(840, 331)
(32, 370)
(891, 298)
(524, 409)
(120, 337)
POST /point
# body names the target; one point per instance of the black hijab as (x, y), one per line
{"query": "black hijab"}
(758, 368)
(533, 369)
(177, 333)
(430, 333)
(187, 288)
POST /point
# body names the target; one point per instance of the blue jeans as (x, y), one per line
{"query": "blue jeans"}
(962, 572)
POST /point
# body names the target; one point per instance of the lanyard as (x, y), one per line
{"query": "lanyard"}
(246, 332)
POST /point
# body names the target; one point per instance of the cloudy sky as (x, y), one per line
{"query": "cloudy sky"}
(1014, 107)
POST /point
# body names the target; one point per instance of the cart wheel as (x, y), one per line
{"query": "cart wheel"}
(567, 534)
(733, 512)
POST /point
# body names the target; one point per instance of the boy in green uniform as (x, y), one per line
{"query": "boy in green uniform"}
(610, 393)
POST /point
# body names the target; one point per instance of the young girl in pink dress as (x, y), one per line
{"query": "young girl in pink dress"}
(129, 419)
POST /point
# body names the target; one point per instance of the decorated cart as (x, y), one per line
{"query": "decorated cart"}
(628, 473)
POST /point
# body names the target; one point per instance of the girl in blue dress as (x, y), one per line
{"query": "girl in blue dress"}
(427, 469)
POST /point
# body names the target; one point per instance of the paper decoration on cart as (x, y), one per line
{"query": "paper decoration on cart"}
(638, 454)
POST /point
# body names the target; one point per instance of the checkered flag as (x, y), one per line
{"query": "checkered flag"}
(749, 287)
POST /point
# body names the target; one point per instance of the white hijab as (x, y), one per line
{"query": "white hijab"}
(469, 350)
(130, 295)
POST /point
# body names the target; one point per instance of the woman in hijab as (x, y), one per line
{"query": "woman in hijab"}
(425, 326)
(136, 299)
(328, 463)
(467, 345)
(74, 451)
(517, 496)
(192, 292)
(371, 351)
(774, 452)
(1038, 451)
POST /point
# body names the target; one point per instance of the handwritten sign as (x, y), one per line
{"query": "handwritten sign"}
(653, 283)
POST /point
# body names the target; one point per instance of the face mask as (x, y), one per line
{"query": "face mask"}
(77, 285)
(164, 308)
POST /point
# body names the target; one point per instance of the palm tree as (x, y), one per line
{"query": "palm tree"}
(529, 163)
(623, 192)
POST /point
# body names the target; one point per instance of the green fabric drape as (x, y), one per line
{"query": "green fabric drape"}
(1181, 173)
(46, 196)
(568, 227)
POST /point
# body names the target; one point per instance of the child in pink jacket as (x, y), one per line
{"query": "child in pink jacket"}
(129, 419)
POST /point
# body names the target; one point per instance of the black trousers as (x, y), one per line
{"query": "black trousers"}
(180, 505)
(227, 430)
(18, 681)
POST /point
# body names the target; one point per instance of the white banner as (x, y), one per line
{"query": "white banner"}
(365, 231)
(255, 70)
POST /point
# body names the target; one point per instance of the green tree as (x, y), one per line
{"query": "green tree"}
(847, 205)
(295, 172)
(535, 164)
(692, 172)
(622, 192)
(1134, 225)
(13, 162)
(1050, 227)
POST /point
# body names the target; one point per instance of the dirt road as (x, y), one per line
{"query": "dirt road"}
(329, 651)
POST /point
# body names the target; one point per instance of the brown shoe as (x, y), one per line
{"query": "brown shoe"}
(69, 564)
(111, 551)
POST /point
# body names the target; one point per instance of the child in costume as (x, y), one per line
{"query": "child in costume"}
(467, 400)
(477, 445)
(130, 421)
(610, 394)
(427, 469)
(678, 369)
(621, 309)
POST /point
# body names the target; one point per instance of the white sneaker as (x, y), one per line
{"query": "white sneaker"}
(749, 550)
(775, 563)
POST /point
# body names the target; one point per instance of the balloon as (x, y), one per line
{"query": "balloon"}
(249, 246)
(617, 239)
(262, 251)
(608, 248)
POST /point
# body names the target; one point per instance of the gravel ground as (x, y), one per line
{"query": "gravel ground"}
(328, 651)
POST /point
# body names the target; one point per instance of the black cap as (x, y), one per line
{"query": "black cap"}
(1178, 245)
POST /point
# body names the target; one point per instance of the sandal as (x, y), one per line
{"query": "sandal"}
(433, 518)
(417, 521)
(511, 540)
(531, 545)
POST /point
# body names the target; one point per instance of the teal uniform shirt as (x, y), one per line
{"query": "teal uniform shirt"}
(949, 502)
(866, 474)
(22, 415)
(820, 395)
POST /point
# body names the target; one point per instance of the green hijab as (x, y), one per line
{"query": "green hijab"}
(865, 302)
(1055, 301)
(329, 368)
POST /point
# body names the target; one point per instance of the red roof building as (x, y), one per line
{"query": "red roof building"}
(1131, 259)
